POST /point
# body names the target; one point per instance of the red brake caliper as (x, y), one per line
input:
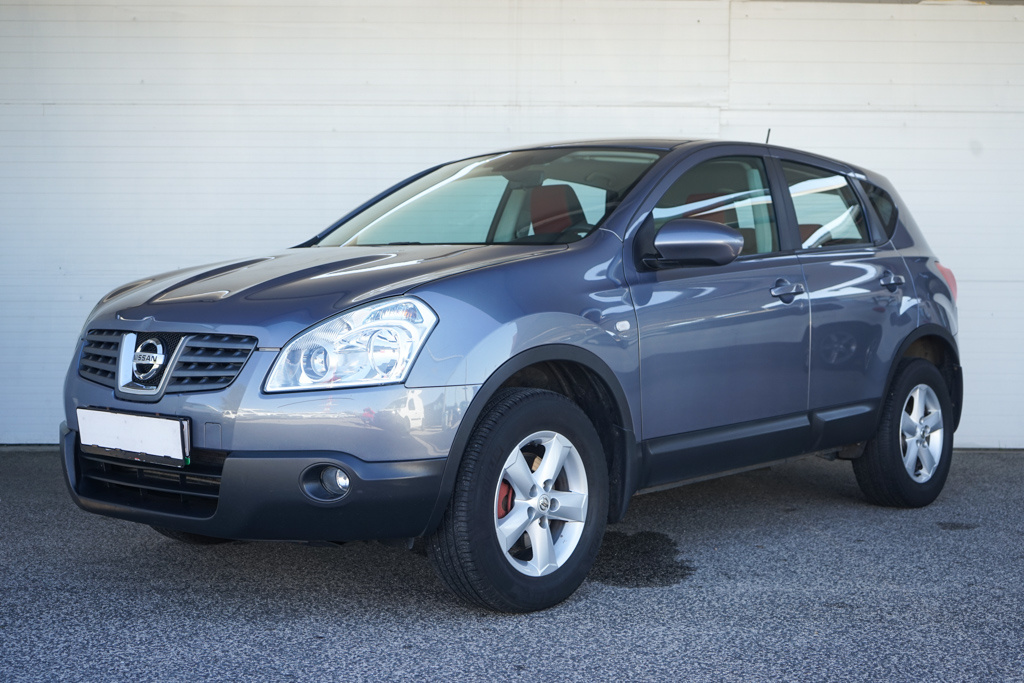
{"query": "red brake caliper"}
(506, 498)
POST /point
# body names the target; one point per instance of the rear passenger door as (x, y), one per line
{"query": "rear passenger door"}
(861, 308)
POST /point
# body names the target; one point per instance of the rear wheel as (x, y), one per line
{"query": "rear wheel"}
(907, 461)
(529, 508)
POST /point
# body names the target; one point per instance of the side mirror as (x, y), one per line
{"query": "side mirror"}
(694, 242)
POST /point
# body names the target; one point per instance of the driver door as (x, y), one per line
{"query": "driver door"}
(724, 350)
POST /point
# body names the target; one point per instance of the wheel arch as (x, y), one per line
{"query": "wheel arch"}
(585, 379)
(935, 344)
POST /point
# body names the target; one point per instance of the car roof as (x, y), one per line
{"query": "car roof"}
(668, 144)
(661, 144)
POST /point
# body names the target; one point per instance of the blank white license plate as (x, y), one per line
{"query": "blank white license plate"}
(154, 439)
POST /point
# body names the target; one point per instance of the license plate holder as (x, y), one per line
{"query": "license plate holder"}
(145, 438)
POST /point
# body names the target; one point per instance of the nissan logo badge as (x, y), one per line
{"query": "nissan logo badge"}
(148, 359)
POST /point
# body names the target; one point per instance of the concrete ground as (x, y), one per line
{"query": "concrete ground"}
(779, 574)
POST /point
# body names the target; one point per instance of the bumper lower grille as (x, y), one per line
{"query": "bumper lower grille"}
(192, 491)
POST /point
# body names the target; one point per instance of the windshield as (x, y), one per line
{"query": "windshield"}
(537, 196)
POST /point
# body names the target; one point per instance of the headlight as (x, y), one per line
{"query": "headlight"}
(375, 344)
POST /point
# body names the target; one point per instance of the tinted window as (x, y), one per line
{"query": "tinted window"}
(884, 206)
(827, 211)
(730, 190)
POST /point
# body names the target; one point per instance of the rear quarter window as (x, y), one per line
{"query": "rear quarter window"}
(885, 208)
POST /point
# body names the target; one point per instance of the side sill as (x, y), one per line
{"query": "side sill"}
(687, 458)
(843, 425)
(715, 452)
(717, 475)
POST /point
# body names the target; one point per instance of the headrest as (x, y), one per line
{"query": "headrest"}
(553, 208)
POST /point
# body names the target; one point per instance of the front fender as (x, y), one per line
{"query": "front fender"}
(628, 463)
(472, 352)
(570, 306)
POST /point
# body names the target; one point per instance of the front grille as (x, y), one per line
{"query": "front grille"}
(99, 356)
(191, 491)
(209, 361)
(206, 361)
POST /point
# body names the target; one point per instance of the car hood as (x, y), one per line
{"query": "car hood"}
(287, 292)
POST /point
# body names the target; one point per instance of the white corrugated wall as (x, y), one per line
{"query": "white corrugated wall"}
(137, 137)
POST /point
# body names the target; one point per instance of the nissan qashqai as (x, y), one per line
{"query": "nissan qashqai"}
(498, 353)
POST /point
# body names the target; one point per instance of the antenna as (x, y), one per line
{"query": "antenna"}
(766, 137)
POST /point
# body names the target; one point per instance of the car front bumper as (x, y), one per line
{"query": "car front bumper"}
(256, 460)
(261, 495)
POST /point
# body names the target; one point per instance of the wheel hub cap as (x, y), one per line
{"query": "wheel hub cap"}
(921, 434)
(540, 524)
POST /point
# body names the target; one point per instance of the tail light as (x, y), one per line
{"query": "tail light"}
(949, 277)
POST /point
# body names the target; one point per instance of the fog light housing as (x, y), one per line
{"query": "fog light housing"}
(335, 480)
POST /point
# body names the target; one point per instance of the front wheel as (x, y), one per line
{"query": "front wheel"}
(529, 508)
(907, 461)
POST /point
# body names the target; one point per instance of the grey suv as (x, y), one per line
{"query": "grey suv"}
(497, 353)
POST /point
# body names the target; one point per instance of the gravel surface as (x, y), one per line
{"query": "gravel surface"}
(780, 574)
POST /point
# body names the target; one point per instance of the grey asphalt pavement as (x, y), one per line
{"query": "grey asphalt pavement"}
(780, 574)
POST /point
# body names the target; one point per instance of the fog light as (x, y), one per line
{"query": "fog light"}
(335, 480)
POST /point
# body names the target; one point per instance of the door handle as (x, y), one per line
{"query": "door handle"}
(786, 290)
(891, 281)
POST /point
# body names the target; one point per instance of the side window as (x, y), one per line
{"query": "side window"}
(884, 206)
(827, 211)
(730, 190)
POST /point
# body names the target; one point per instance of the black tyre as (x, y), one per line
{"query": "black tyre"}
(186, 537)
(530, 505)
(907, 461)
